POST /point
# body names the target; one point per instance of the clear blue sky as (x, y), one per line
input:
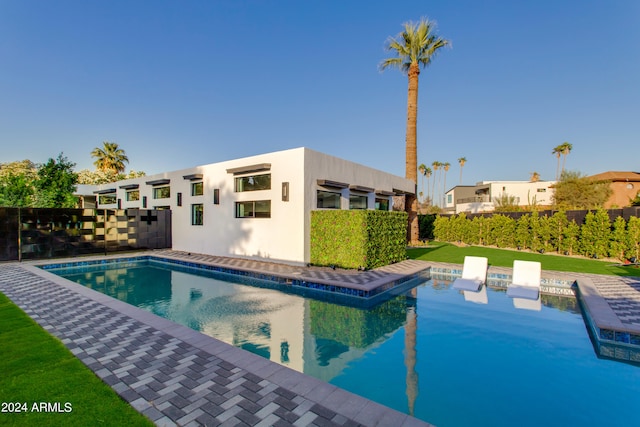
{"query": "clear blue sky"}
(182, 83)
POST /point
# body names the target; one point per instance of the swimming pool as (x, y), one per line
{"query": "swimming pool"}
(450, 361)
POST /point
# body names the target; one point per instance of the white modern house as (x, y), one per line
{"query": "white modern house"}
(257, 206)
(482, 196)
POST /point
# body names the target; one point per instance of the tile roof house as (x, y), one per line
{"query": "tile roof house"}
(625, 186)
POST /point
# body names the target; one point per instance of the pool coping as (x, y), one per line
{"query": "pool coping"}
(289, 390)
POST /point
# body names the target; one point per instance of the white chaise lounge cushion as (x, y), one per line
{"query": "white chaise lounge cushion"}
(526, 280)
(474, 274)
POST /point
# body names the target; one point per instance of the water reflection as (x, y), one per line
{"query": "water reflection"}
(316, 337)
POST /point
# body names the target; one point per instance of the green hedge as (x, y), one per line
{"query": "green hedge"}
(357, 238)
(596, 238)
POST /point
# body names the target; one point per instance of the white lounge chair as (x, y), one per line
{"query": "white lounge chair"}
(526, 280)
(474, 274)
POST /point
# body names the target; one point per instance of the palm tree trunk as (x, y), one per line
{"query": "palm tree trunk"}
(411, 171)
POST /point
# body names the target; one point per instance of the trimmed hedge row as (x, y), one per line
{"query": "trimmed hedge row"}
(597, 237)
(357, 238)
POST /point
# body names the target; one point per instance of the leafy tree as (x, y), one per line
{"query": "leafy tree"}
(595, 234)
(570, 235)
(17, 183)
(633, 238)
(618, 243)
(56, 183)
(474, 230)
(16, 190)
(502, 231)
(414, 47)
(110, 157)
(86, 176)
(441, 228)
(557, 226)
(523, 235)
(575, 191)
(636, 200)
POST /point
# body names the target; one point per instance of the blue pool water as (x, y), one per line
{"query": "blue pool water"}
(429, 352)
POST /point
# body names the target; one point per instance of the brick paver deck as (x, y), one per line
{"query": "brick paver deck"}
(177, 376)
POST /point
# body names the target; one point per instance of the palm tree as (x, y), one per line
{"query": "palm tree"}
(110, 158)
(461, 162)
(565, 150)
(414, 47)
(427, 173)
(557, 151)
(436, 165)
(535, 177)
(422, 168)
(445, 167)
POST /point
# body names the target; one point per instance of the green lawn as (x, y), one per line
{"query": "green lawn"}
(36, 367)
(446, 252)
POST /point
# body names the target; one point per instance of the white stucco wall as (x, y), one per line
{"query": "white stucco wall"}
(282, 237)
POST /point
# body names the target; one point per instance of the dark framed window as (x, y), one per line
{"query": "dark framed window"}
(216, 196)
(328, 200)
(253, 183)
(197, 189)
(254, 209)
(162, 192)
(133, 195)
(179, 200)
(197, 213)
(107, 199)
(382, 204)
(357, 201)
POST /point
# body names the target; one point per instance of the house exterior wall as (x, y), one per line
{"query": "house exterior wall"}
(526, 193)
(284, 236)
(622, 193)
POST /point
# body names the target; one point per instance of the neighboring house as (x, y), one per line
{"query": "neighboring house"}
(481, 197)
(625, 186)
(257, 206)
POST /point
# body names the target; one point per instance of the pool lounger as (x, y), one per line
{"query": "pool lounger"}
(526, 280)
(474, 274)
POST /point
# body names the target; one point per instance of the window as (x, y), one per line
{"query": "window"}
(197, 211)
(382, 204)
(328, 200)
(449, 199)
(357, 202)
(253, 183)
(179, 201)
(133, 195)
(107, 199)
(541, 190)
(253, 209)
(162, 192)
(216, 196)
(144, 201)
(197, 189)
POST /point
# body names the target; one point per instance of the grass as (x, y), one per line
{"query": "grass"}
(446, 252)
(37, 367)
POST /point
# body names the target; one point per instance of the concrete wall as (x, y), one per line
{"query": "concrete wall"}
(285, 235)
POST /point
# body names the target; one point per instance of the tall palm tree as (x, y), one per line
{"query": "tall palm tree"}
(445, 167)
(110, 158)
(427, 173)
(461, 162)
(422, 168)
(436, 165)
(557, 151)
(565, 150)
(535, 177)
(414, 47)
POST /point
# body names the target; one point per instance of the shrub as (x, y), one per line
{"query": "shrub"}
(502, 231)
(595, 234)
(357, 238)
(618, 243)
